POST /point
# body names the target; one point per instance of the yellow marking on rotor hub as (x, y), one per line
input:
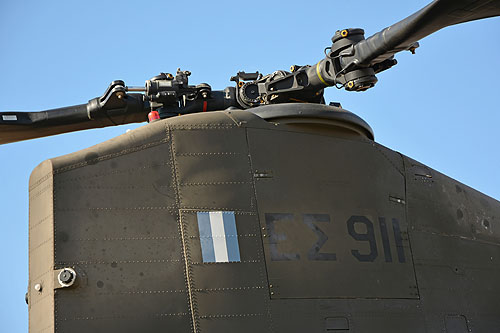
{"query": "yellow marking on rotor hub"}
(319, 74)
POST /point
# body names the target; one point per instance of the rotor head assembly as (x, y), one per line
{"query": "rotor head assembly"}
(353, 78)
(351, 62)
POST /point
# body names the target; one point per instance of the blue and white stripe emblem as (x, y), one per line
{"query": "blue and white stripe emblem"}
(218, 237)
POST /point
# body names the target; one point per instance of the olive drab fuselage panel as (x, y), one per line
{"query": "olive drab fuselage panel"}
(41, 249)
(334, 215)
(115, 224)
(328, 232)
(455, 237)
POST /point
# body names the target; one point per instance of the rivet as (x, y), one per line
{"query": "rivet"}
(38, 287)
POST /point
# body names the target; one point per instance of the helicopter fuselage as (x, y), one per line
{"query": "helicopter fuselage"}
(288, 218)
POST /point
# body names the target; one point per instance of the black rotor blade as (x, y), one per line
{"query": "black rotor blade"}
(18, 126)
(433, 17)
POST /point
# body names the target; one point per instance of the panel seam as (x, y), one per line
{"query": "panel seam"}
(185, 251)
(263, 272)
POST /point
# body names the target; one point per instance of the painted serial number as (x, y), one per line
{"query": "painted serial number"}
(312, 221)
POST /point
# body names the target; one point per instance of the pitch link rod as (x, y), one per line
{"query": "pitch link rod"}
(141, 89)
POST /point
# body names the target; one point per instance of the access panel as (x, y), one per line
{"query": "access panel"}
(332, 213)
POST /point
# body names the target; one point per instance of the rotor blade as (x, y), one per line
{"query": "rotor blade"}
(18, 126)
(435, 16)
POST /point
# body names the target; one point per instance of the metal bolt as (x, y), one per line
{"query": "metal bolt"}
(38, 287)
(66, 276)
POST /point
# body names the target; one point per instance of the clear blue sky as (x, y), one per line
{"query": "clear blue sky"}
(439, 106)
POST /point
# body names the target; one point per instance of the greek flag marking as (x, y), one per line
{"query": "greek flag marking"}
(218, 237)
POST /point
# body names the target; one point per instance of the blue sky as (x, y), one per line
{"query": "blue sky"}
(439, 106)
